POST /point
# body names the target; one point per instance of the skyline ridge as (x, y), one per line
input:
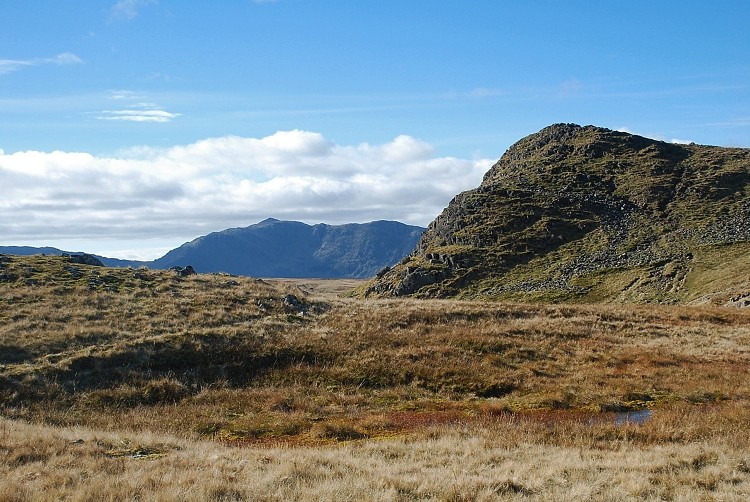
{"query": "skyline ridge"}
(169, 119)
(163, 261)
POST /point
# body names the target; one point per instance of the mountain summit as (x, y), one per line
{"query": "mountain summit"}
(576, 213)
(275, 248)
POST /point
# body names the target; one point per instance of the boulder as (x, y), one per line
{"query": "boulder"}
(84, 259)
(184, 271)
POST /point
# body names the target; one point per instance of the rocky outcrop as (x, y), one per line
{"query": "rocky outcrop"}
(83, 259)
(584, 213)
(184, 271)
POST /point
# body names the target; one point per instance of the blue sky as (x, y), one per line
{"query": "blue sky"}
(128, 127)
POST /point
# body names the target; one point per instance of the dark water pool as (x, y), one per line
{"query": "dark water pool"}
(638, 417)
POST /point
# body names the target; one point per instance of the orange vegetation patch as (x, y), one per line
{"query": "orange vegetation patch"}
(404, 423)
(414, 420)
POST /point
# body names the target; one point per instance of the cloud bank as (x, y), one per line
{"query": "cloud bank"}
(222, 182)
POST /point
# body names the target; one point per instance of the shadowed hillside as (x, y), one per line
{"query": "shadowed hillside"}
(88, 344)
(274, 248)
(577, 213)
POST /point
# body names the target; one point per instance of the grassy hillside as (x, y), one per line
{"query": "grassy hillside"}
(585, 214)
(428, 400)
(76, 338)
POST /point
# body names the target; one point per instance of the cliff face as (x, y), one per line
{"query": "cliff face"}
(577, 213)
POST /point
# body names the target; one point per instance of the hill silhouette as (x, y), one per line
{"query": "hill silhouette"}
(283, 249)
(47, 250)
(576, 213)
(274, 248)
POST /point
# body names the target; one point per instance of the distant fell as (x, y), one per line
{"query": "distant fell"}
(275, 248)
(583, 213)
(31, 250)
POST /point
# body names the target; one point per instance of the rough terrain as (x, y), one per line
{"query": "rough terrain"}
(577, 213)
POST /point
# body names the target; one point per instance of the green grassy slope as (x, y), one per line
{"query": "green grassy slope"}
(577, 213)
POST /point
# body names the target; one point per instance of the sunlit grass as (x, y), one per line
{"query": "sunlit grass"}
(220, 388)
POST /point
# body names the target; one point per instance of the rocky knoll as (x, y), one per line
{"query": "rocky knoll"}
(576, 213)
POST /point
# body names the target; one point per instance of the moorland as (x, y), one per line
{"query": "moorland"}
(137, 384)
(575, 328)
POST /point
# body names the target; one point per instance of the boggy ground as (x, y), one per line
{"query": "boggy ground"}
(213, 387)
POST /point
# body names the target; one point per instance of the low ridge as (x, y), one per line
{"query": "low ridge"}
(583, 213)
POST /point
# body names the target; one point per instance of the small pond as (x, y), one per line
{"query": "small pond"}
(638, 417)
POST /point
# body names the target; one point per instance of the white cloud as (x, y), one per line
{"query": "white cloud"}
(119, 94)
(64, 58)
(11, 65)
(138, 115)
(657, 137)
(217, 183)
(126, 10)
(134, 111)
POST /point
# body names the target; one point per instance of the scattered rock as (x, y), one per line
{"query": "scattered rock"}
(8, 277)
(141, 275)
(74, 272)
(184, 271)
(95, 281)
(291, 302)
(739, 301)
(83, 259)
(264, 304)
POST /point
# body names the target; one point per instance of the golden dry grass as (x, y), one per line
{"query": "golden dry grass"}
(222, 388)
(507, 458)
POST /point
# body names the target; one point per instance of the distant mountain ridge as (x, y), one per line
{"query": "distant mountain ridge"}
(31, 250)
(275, 248)
(583, 213)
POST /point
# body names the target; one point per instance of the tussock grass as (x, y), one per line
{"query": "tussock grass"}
(214, 387)
(507, 457)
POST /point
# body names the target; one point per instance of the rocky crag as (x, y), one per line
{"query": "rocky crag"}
(576, 213)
